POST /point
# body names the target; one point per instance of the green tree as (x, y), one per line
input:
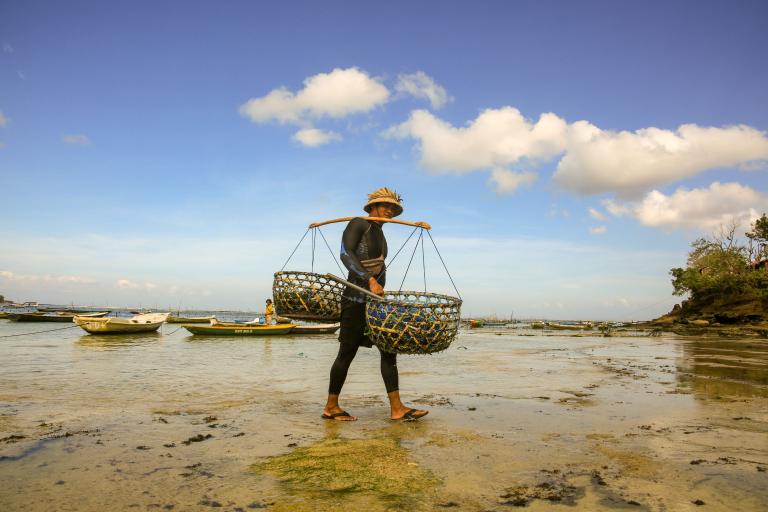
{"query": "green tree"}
(721, 265)
(758, 238)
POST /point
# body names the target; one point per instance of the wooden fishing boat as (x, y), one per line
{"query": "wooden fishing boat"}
(77, 310)
(316, 328)
(111, 325)
(566, 327)
(38, 316)
(239, 329)
(45, 317)
(299, 329)
(172, 319)
(22, 305)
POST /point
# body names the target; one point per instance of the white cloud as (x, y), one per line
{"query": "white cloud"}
(621, 302)
(313, 137)
(702, 208)
(280, 105)
(754, 165)
(47, 278)
(336, 94)
(127, 284)
(77, 139)
(629, 163)
(593, 160)
(506, 182)
(498, 137)
(421, 85)
(598, 230)
(596, 214)
(3, 120)
(706, 209)
(614, 208)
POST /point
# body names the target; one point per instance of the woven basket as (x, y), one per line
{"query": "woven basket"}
(307, 296)
(413, 322)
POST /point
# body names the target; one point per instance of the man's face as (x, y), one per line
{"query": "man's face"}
(384, 210)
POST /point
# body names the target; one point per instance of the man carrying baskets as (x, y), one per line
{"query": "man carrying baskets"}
(363, 249)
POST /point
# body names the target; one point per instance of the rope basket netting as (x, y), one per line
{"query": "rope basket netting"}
(307, 296)
(409, 322)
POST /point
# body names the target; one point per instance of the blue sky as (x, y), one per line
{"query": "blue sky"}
(566, 153)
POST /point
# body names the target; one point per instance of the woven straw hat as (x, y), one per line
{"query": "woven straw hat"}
(384, 195)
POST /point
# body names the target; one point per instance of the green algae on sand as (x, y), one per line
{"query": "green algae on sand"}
(377, 466)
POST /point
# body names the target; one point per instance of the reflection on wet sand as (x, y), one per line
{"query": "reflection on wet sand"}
(114, 341)
(724, 368)
(262, 342)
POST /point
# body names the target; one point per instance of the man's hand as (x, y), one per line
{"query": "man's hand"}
(375, 287)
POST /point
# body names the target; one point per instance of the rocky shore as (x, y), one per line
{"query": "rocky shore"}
(728, 315)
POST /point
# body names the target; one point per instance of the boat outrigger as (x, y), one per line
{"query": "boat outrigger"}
(172, 319)
(316, 328)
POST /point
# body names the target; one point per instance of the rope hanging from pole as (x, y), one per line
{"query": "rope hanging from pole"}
(401, 247)
(411, 260)
(314, 237)
(316, 229)
(444, 266)
(294, 250)
(329, 250)
(420, 226)
(423, 264)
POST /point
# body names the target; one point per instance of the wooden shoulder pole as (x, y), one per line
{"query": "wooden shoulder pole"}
(419, 224)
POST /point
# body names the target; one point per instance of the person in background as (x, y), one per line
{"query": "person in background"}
(363, 249)
(269, 313)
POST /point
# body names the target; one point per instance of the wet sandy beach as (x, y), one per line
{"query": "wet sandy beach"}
(175, 422)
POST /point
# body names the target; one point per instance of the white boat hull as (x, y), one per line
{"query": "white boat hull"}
(137, 324)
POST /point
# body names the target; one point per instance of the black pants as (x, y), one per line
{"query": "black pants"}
(346, 354)
(352, 337)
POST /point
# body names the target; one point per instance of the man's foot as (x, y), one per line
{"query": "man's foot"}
(337, 415)
(410, 415)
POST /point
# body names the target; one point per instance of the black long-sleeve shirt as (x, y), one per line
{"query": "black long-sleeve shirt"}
(362, 240)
